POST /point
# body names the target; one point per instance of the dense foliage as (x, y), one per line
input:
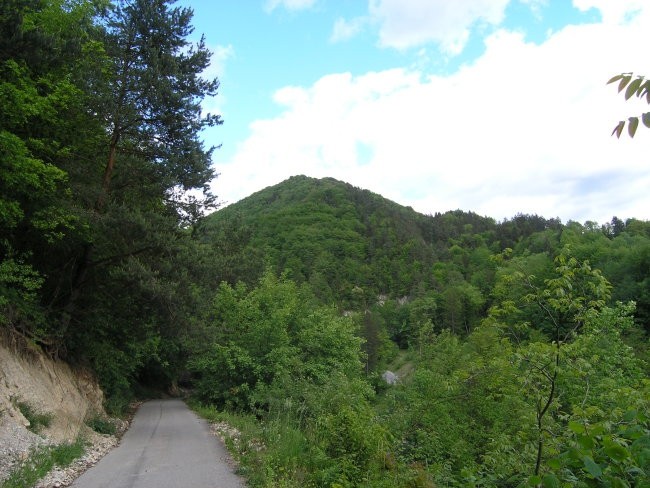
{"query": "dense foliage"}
(520, 347)
(99, 146)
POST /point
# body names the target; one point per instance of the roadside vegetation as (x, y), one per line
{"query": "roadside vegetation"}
(37, 420)
(41, 461)
(520, 346)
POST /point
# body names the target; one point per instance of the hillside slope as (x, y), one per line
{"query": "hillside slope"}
(349, 244)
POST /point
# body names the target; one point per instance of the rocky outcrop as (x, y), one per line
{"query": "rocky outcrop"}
(67, 396)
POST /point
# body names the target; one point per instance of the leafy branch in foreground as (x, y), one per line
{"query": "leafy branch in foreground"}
(639, 87)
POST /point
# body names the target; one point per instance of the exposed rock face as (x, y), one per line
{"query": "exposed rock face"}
(390, 377)
(50, 387)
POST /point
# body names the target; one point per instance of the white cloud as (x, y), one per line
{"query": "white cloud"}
(613, 11)
(347, 29)
(289, 4)
(217, 69)
(525, 128)
(409, 23)
(221, 54)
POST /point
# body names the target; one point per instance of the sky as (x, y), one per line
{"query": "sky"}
(493, 106)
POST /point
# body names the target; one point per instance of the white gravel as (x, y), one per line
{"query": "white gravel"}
(59, 477)
(16, 442)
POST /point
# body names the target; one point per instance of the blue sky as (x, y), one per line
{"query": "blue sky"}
(493, 106)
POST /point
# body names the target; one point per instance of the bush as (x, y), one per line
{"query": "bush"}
(101, 425)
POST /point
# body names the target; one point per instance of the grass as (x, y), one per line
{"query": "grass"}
(41, 461)
(245, 445)
(37, 420)
(270, 453)
(101, 425)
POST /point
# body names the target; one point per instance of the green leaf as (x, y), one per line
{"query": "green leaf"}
(630, 415)
(534, 480)
(592, 467)
(633, 87)
(615, 78)
(550, 481)
(641, 450)
(574, 454)
(633, 123)
(586, 442)
(554, 463)
(624, 81)
(618, 130)
(646, 119)
(619, 483)
(576, 427)
(597, 429)
(644, 91)
(616, 452)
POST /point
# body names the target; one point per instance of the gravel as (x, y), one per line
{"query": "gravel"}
(59, 477)
(16, 442)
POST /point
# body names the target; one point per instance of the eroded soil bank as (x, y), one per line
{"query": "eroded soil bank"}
(65, 396)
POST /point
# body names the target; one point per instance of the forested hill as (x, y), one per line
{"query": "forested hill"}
(338, 237)
(352, 246)
(520, 345)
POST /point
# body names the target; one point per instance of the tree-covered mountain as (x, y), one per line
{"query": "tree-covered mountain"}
(350, 244)
(520, 363)
(521, 345)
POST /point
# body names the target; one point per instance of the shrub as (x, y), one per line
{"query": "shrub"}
(101, 425)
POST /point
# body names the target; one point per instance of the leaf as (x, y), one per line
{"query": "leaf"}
(646, 119)
(554, 463)
(630, 415)
(616, 452)
(632, 88)
(576, 427)
(618, 130)
(597, 429)
(641, 450)
(624, 81)
(550, 481)
(592, 467)
(619, 483)
(585, 442)
(644, 91)
(615, 78)
(633, 123)
(534, 480)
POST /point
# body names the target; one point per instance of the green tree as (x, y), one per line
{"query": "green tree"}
(569, 299)
(43, 121)
(148, 94)
(268, 337)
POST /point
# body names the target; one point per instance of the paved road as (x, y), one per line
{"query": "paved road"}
(167, 446)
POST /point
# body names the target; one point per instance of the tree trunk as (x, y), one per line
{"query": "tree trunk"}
(84, 260)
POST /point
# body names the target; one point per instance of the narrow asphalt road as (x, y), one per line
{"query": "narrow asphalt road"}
(167, 446)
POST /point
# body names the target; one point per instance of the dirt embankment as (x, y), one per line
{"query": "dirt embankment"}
(66, 396)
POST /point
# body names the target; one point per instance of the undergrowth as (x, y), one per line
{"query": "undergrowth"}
(41, 461)
(277, 453)
(101, 425)
(37, 420)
